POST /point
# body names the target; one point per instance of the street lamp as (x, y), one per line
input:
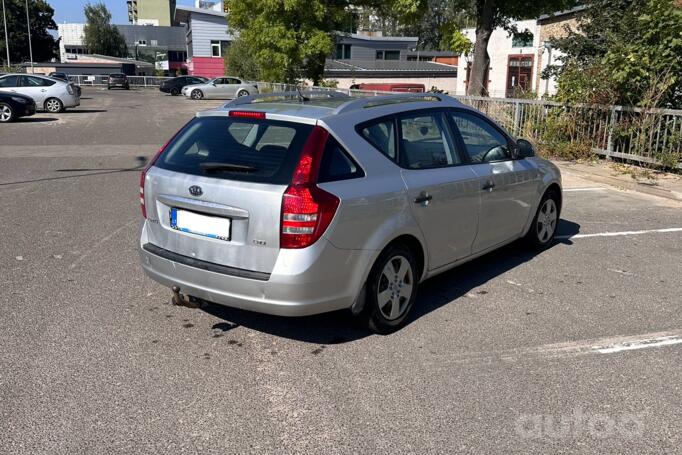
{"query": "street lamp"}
(30, 47)
(4, 18)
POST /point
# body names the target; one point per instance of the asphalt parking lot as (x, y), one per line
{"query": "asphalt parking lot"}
(574, 350)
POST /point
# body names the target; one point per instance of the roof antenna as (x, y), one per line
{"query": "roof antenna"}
(301, 98)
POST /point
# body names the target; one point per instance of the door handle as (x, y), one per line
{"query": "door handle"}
(423, 198)
(489, 185)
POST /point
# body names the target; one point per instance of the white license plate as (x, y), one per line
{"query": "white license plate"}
(209, 226)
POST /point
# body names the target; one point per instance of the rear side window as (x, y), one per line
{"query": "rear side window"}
(425, 142)
(337, 164)
(382, 136)
(32, 81)
(251, 150)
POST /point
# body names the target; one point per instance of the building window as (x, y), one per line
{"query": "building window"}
(524, 39)
(215, 49)
(388, 55)
(519, 75)
(219, 48)
(343, 51)
(155, 42)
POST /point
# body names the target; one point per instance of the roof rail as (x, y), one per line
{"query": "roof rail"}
(286, 96)
(375, 101)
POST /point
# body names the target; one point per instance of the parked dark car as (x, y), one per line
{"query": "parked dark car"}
(15, 105)
(118, 80)
(174, 86)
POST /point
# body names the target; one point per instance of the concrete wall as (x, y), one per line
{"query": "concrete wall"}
(499, 48)
(155, 12)
(449, 83)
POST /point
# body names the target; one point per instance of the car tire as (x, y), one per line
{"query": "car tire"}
(197, 94)
(6, 113)
(174, 91)
(391, 290)
(241, 93)
(543, 228)
(54, 105)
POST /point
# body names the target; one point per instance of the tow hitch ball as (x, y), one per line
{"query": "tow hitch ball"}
(180, 300)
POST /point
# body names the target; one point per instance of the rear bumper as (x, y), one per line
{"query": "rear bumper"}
(313, 280)
(71, 101)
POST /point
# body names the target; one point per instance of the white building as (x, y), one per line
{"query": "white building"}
(512, 61)
(71, 38)
(516, 64)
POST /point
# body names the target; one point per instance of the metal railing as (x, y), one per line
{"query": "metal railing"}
(648, 136)
(102, 79)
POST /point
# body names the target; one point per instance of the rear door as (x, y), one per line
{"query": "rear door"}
(442, 190)
(35, 87)
(507, 187)
(229, 174)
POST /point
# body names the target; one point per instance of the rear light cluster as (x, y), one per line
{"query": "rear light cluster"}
(248, 114)
(143, 176)
(307, 210)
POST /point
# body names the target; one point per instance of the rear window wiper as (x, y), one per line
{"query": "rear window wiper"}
(228, 167)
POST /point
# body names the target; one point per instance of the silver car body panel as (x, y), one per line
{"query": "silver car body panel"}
(373, 211)
(41, 94)
(216, 89)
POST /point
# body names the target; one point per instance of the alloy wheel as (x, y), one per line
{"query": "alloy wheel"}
(53, 105)
(547, 220)
(5, 113)
(395, 287)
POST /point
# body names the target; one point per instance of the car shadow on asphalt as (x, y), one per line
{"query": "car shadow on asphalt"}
(87, 172)
(35, 119)
(339, 327)
(84, 111)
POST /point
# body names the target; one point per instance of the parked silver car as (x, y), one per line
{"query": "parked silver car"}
(51, 94)
(324, 202)
(220, 88)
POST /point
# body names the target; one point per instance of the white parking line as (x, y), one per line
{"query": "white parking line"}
(616, 234)
(570, 190)
(638, 344)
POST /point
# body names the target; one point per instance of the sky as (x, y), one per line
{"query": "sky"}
(72, 10)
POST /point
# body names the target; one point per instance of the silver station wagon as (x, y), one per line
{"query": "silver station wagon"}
(296, 204)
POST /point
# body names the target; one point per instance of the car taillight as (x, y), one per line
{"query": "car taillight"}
(248, 114)
(143, 175)
(306, 209)
(69, 88)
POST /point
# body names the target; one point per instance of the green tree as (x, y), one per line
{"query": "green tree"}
(491, 14)
(240, 61)
(291, 39)
(621, 53)
(101, 37)
(40, 15)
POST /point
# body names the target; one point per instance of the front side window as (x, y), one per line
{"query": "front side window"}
(9, 81)
(483, 142)
(382, 136)
(425, 142)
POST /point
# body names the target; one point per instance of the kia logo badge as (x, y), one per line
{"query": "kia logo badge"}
(195, 190)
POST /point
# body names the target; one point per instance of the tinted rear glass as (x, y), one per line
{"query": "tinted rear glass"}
(251, 150)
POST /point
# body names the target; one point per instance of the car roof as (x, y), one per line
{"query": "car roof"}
(331, 103)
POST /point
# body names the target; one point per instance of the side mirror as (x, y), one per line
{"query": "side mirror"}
(524, 149)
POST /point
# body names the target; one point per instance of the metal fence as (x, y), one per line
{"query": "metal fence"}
(647, 136)
(650, 136)
(102, 79)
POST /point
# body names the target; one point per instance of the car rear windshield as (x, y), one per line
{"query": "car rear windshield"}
(251, 150)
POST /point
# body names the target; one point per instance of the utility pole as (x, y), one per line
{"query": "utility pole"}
(30, 47)
(4, 18)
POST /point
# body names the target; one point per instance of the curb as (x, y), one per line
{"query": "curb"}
(616, 182)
